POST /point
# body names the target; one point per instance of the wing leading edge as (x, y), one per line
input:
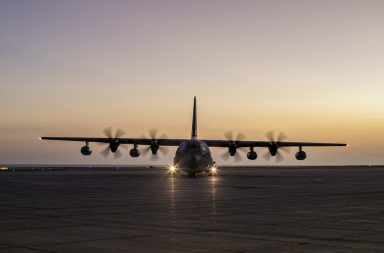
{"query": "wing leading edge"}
(137, 141)
(210, 143)
(224, 143)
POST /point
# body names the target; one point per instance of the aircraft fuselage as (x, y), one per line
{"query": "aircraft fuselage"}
(193, 156)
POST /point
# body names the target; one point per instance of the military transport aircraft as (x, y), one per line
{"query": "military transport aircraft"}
(193, 156)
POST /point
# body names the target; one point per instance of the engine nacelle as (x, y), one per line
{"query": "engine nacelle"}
(86, 151)
(232, 148)
(301, 155)
(273, 149)
(114, 146)
(252, 155)
(134, 152)
(154, 147)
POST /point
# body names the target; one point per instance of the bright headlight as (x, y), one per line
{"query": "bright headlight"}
(172, 169)
(213, 170)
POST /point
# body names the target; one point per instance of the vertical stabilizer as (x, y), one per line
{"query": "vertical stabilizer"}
(194, 121)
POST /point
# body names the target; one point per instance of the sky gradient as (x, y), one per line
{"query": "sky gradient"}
(312, 69)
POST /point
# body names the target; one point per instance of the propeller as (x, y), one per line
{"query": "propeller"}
(114, 144)
(274, 148)
(154, 147)
(232, 149)
(109, 133)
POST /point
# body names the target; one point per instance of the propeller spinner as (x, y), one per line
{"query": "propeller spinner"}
(113, 145)
(232, 146)
(154, 147)
(274, 147)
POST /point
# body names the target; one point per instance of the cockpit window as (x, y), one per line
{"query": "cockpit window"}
(183, 147)
(197, 147)
(193, 146)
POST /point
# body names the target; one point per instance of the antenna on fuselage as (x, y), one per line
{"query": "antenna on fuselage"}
(194, 121)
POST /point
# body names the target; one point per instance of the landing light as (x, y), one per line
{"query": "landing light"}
(213, 170)
(172, 169)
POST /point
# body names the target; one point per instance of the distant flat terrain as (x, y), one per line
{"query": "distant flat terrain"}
(303, 209)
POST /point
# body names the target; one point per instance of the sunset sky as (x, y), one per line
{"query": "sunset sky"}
(311, 69)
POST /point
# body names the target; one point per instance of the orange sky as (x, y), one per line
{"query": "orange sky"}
(312, 69)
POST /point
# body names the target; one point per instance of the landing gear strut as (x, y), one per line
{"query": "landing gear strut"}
(191, 174)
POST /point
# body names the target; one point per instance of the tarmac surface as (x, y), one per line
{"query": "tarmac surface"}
(291, 209)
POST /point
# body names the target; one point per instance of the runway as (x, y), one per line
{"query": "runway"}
(303, 209)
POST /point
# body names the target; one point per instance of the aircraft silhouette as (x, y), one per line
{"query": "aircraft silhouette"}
(193, 155)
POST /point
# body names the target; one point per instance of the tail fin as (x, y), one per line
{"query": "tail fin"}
(194, 121)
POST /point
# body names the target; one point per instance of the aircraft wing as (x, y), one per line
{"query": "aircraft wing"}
(176, 142)
(310, 144)
(225, 143)
(137, 141)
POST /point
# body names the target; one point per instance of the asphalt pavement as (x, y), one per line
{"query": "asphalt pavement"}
(303, 209)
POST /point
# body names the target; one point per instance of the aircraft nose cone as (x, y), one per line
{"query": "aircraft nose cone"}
(194, 161)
